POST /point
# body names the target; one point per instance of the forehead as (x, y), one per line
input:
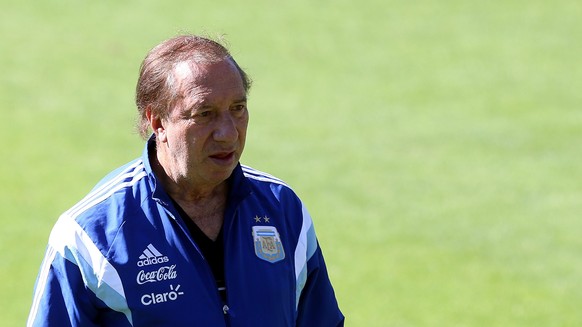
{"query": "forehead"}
(205, 80)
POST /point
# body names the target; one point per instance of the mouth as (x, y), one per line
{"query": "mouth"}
(223, 158)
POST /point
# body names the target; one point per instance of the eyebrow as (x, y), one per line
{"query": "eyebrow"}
(204, 104)
(243, 99)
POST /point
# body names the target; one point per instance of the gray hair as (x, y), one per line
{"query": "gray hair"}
(156, 88)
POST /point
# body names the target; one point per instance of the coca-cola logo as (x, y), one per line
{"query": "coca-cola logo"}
(163, 273)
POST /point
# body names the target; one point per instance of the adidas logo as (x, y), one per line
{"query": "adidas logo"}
(151, 256)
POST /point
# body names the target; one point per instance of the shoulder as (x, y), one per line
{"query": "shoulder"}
(98, 216)
(266, 183)
(120, 176)
(111, 188)
(261, 177)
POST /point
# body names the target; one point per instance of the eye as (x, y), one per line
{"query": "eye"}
(205, 113)
(238, 109)
(202, 115)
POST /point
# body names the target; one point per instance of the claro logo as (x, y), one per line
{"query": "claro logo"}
(156, 298)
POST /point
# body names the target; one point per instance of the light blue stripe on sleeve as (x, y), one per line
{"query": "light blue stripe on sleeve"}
(71, 241)
(306, 247)
(110, 296)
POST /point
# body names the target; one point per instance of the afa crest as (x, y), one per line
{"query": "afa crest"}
(268, 244)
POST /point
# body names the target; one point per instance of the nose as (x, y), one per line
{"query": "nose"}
(226, 129)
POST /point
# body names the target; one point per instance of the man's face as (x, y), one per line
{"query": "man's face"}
(204, 135)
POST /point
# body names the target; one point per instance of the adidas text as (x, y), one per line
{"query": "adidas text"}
(152, 261)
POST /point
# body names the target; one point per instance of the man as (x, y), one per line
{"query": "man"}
(185, 235)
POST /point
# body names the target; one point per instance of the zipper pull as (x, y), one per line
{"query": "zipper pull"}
(225, 309)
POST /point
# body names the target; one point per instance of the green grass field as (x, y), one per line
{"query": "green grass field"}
(436, 143)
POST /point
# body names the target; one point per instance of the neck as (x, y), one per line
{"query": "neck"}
(182, 189)
(206, 212)
(204, 205)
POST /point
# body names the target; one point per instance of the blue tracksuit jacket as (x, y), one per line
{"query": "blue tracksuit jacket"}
(123, 256)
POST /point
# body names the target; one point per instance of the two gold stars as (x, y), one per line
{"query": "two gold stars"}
(262, 219)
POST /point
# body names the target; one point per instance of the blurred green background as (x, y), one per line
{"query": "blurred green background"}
(436, 143)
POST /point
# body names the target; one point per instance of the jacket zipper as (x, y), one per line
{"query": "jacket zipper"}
(225, 308)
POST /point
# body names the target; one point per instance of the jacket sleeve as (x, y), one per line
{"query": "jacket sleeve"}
(317, 303)
(76, 285)
(60, 299)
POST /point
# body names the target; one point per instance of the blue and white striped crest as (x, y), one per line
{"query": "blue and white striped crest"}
(268, 244)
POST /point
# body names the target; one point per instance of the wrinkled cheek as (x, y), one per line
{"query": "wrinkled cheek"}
(182, 159)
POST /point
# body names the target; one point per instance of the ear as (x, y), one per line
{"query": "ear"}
(156, 124)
